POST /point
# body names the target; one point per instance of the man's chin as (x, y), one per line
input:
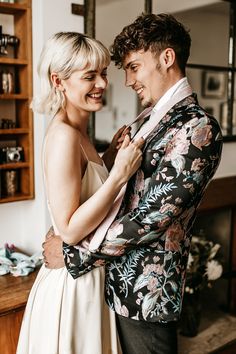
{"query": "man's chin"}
(146, 104)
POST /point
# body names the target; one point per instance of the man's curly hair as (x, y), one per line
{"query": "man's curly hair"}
(154, 32)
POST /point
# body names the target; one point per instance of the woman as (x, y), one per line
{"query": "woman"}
(66, 316)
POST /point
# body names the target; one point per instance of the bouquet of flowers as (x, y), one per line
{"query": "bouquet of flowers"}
(204, 265)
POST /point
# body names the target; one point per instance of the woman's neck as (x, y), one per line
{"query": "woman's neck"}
(76, 119)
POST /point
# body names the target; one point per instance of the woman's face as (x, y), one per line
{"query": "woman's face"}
(84, 89)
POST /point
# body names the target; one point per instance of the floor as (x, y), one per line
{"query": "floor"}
(217, 331)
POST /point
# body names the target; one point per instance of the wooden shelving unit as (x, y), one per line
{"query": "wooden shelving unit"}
(16, 105)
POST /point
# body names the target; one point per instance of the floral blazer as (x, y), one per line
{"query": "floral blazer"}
(147, 247)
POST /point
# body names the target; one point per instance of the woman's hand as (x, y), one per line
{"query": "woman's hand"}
(117, 140)
(119, 137)
(128, 159)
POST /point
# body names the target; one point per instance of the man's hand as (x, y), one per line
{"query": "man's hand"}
(110, 154)
(52, 251)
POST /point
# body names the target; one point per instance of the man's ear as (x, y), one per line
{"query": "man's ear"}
(57, 82)
(168, 57)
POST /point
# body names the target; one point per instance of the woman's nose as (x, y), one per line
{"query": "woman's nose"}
(101, 82)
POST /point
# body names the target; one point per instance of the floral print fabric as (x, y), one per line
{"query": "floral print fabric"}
(147, 247)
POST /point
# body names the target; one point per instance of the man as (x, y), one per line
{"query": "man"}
(148, 245)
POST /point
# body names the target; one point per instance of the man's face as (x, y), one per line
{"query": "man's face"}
(146, 74)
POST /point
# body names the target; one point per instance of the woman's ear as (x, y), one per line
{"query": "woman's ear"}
(168, 57)
(57, 82)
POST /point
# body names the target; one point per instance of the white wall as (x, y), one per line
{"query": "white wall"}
(25, 223)
(124, 100)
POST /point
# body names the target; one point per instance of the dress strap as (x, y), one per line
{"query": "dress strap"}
(85, 155)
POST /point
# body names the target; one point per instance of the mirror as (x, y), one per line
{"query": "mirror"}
(211, 66)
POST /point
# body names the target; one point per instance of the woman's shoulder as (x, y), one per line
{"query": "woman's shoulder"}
(61, 132)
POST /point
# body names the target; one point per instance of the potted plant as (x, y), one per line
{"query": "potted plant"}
(203, 268)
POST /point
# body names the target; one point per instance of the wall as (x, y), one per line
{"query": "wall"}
(123, 99)
(25, 223)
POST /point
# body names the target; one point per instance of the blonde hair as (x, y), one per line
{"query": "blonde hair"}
(64, 53)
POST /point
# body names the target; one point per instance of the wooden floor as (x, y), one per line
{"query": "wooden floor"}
(219, 337)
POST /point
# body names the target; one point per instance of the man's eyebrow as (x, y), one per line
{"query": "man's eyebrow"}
(129, 63)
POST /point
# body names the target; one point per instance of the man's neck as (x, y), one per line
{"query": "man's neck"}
(170, 92)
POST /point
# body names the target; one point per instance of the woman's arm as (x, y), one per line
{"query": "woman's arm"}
(63, 183)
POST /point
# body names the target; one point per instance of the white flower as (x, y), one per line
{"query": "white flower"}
(214, 270)
(214, 250)
(190, 261)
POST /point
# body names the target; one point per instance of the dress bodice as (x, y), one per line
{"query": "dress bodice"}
(94, 176)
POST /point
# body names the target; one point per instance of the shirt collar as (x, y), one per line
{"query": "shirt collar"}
(171, 92)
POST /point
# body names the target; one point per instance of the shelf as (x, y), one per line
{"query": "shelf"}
(11, 9)
(13, 96)
(18, 16)
(14, 131)
(13, 166)
(16, 198)
(12, 61)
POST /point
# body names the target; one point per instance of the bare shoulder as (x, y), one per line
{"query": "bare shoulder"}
(61, 136)
(61, 148)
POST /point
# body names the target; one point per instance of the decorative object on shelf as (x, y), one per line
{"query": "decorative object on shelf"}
(17, 263)
(6, 82)
(213, 84)
(5, 40)
(10, 182)
(204, 267)
(11, 154)
(7, 124)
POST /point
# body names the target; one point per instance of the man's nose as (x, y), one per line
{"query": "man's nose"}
(129, 80)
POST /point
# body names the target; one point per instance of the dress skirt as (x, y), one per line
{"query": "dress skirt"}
(68, 316)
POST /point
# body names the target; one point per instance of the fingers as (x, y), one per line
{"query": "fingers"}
(139, 142)
(50, 233)
(127, 130)
(126, 141)
(120, 132)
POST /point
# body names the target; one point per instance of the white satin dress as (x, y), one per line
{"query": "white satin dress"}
(67, 316)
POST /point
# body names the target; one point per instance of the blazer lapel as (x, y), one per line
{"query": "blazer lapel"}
(170, 119)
